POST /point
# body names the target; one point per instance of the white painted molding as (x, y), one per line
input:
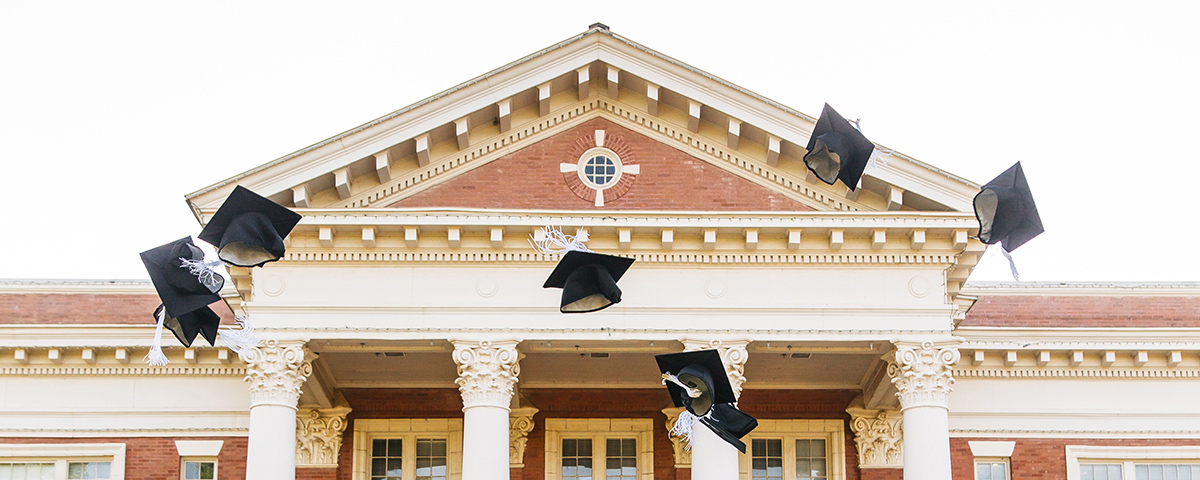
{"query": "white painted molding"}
(693, 116)
(52, 452)
(504, 107)
(735, 132)
(422, 147)
(462, 132)
(614, 82)
(1076, 453)
(1002, 449)
(341, 182)
(383, 167)
(300, 196)
(198, 448)
(543, 101)
(584, 81)
(651, 98)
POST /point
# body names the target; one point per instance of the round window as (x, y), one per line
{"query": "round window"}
(599, 168)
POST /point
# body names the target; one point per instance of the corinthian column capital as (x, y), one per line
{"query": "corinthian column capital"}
(319, 436)
(276, 371)
(921, 372)
(879, 436)
(733, 355)
(487, 371)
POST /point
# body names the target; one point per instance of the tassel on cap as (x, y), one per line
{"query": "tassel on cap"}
(556, 242)
(156, 358)
(238, 340)
(683, 428)
(205, 272)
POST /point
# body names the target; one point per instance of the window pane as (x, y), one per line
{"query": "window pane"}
(766, 456)
(577, 459)
(810, 459)
(983, 472)
(1100, 471)
(998, 472)
(194, 471)
(387, 458)
(378, 448)
(23, 471)
(620, 459)
(431, 465)
(88, 470)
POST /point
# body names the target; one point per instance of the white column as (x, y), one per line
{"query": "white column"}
(921, 373)
(713, 458)
(275, 373)
(487, 371)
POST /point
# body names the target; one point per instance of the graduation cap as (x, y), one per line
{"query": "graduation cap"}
(1006, 212)
(180, 290)
(588, 280)
(202, 321)
(697, 381)
(248, 229)
(837, 150)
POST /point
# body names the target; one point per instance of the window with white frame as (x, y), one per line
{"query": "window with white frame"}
(992, 459)
(197, 470)
(1133, 463)
(198, 458)
(795, 450)
(91, 461)
(408, 449)
(991, 468)
(599, 449)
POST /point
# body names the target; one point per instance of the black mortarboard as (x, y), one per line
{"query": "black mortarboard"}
(185, 327)
(588, 280)
(730, 424)
(837, 150)
(699, 369)
(248, 229)
(1006, 212)
(181, 291)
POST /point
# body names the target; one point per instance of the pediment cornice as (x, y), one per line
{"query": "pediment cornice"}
(635, 66)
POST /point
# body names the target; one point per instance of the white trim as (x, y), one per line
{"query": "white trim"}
(992, 449)
(599, 430)
(832, 431)
(199, 448)
(408, 430)
(581, 165)
(112, 452)
(1077, 454)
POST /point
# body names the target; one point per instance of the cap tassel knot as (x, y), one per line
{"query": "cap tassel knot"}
(205, 272)
(1011, 265)
(556, 242)
(239, 340)
(684, 426)
(156, 358)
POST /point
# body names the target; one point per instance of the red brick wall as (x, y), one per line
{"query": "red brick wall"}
(1039, 458)
(669, 180)
(1084, 311)
(155, 458)
(885, 474)
(82, 308)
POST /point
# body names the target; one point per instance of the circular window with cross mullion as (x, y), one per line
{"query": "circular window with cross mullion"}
(599, 168)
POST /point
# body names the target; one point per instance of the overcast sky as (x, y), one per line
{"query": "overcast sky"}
(111, 111)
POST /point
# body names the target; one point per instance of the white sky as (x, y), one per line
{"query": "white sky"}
(111, 111)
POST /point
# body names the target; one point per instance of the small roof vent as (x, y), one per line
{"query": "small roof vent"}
(597, 25)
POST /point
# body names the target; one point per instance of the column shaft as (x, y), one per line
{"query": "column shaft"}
(271, 451)
(926, 443)
(485, 443)
(712, 458)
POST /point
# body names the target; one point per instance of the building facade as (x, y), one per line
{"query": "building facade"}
(407, 335)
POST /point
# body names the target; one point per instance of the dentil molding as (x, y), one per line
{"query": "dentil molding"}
(922, 372)
(276, 371)
(487, 371)
(319, 436)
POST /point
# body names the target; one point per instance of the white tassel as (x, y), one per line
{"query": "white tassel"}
(556, 242)
(156, 358)
(238, 340)
(1011, 265)
(683, 428)
(205, 272)
(692, 392)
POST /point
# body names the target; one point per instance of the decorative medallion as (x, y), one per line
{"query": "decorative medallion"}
(605, 169)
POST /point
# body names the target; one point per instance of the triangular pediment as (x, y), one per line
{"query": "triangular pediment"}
(501, 141)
